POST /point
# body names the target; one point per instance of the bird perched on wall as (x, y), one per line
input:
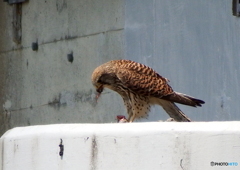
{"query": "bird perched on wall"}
(140, 87)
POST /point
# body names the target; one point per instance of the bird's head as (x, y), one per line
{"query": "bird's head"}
(101, 78)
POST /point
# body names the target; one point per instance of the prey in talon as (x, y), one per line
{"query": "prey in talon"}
(121, 119)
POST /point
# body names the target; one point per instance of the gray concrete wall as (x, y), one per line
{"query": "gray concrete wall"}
(42, 87)
(195, 44)
(5, 26)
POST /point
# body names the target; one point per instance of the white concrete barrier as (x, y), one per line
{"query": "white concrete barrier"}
(129, 146)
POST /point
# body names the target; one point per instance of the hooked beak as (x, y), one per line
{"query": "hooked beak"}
(99, 91)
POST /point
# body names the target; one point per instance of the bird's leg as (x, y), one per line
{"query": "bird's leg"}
(128, 107)
(131, 118)
(131, 115)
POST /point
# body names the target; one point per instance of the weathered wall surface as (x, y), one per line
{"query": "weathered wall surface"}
(43, 87)
(195, 44)
(5, 26)
(192, 43)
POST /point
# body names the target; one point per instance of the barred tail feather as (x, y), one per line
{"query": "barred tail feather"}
(183, 99)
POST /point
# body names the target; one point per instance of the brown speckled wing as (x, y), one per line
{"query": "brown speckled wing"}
(142, 79)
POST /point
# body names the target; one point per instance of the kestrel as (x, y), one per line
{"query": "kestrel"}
(141, 87)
